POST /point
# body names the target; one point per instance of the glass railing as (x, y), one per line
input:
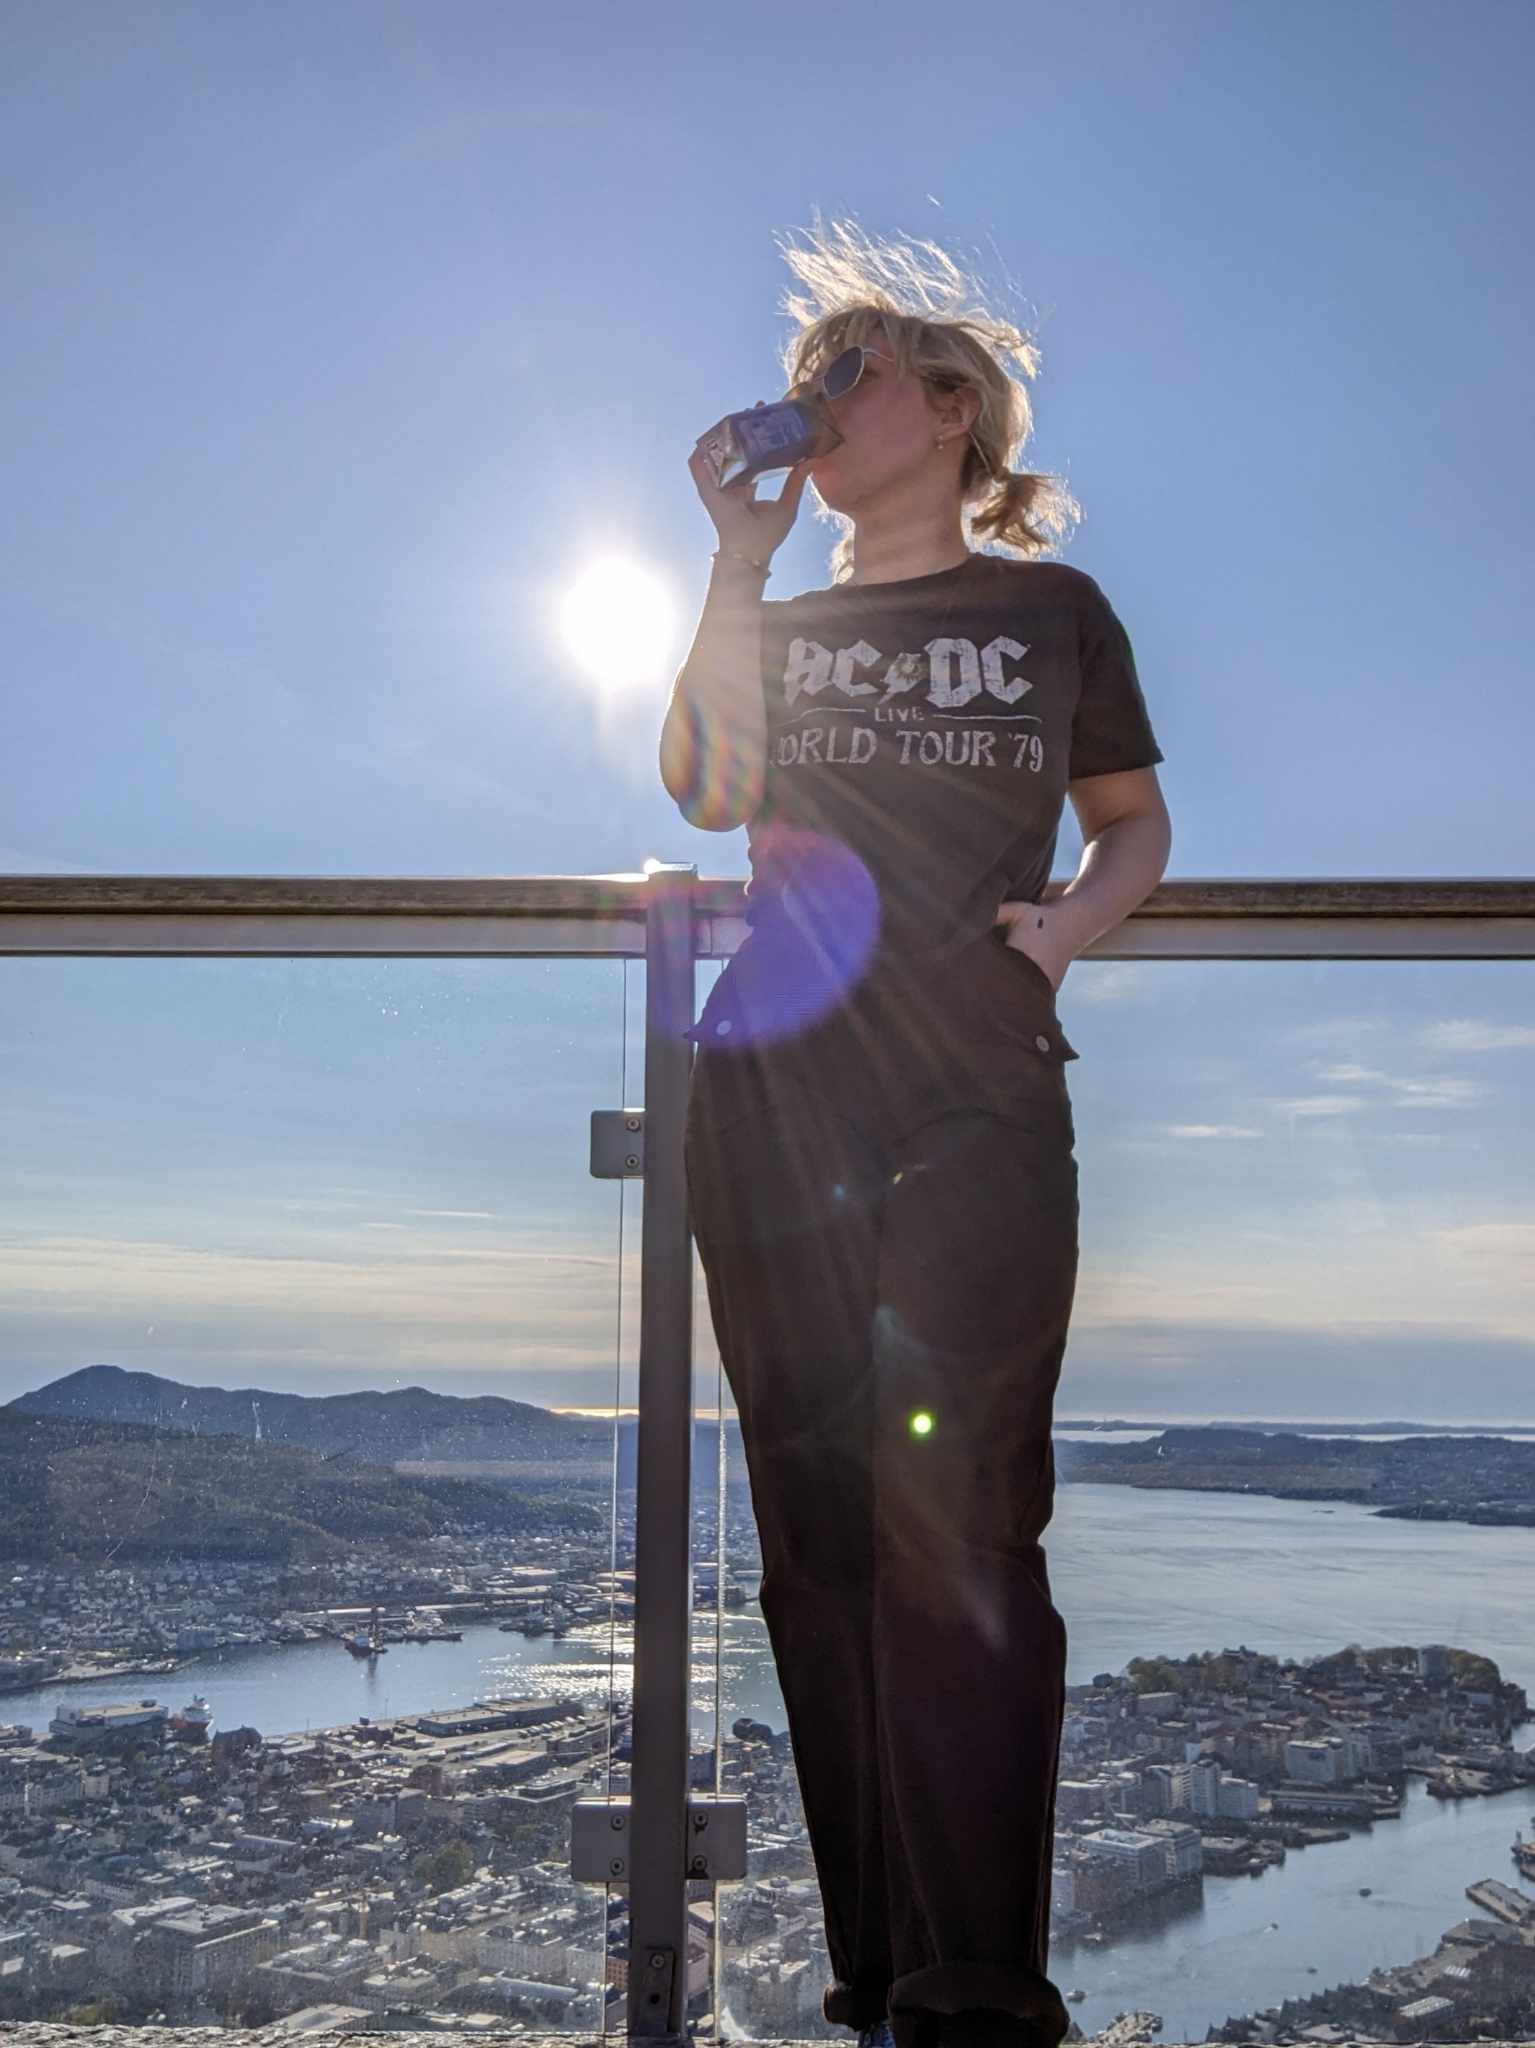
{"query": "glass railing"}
(447, 1609)
(320, 1522)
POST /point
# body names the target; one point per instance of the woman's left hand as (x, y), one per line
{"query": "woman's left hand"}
(1030, 928)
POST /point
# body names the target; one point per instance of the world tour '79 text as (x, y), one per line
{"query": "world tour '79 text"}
(963, 746)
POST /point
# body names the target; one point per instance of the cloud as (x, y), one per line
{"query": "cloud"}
(1437, 1091)
(394, 1306)
(1354, 1267)
(463, 1215)
(1469, 1034)
(1211, 1131)
(1446, 1092)
(1318, 1105)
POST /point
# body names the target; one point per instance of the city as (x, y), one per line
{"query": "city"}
(414, 1868)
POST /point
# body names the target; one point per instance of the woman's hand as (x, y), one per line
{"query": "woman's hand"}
(1030, 928)
(753, 526)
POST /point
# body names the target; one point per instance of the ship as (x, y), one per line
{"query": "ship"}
(367, 1642)
(195, 1721)
(1524, 1852)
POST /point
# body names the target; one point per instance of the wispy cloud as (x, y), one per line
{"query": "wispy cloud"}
(1211, 1131)
(1318, 1105)
(1434, 1091)
(1471, 1034)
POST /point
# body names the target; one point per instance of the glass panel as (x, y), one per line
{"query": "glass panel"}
(1298, 1781)
(304, 1676)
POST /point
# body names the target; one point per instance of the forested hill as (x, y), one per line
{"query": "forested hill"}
(375, 1427)
(77, 1490)
(1486, 1479)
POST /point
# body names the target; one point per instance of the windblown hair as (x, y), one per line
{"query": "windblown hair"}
(856, 289)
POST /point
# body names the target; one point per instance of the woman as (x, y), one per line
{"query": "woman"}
(880, 1139)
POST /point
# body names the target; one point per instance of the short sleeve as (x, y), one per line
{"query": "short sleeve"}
(1111, 728)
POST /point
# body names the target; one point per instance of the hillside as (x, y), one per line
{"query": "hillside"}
(420, 1434)
(78, 1490)
(375, 1428)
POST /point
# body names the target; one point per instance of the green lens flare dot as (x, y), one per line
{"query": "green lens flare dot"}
(921, 1423)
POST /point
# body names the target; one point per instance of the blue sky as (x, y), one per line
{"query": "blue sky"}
(342, 339)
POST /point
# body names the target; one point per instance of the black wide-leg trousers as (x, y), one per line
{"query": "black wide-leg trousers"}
(885, 1206)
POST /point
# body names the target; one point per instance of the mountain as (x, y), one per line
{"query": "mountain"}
(409, 1424)
(412, 1430)
(82, 1491)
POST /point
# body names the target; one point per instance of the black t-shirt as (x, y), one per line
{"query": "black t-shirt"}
(920, 738)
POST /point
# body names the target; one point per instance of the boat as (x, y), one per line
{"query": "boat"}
(1075, 1996)
(195, 1721)
(366, 1643)
(1364, 1891)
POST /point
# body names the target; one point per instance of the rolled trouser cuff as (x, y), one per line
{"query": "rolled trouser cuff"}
(1024, 1998)
(854, 2005)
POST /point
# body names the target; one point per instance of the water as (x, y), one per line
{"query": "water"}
(1134, 1573)
(1226, 1955)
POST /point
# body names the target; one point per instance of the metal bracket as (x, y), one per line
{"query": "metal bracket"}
(657, 1973)
(618, 1144)
(599, 1840)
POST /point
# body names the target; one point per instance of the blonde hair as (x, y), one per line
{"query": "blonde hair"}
(856, 288)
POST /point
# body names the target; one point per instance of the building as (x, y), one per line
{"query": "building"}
(1319, 1762)
(210, 1949)
(1237, 1799)
(1137, 1857)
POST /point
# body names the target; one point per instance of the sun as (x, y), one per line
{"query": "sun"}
(618, 621)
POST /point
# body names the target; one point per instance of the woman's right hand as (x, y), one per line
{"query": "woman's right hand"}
(750, 525)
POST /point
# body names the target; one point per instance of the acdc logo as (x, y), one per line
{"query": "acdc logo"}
(954, 671)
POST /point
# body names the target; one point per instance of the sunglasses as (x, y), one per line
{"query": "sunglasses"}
(844, 371)
(841, 373)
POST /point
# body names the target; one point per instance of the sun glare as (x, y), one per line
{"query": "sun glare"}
(617, 621)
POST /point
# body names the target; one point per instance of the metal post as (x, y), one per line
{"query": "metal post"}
(658, 1845)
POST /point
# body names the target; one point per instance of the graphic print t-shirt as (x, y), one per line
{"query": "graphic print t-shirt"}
(923, 732)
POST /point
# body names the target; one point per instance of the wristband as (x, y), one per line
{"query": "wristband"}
(735, 555)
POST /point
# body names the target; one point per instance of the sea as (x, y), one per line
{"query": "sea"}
(1134, 1573)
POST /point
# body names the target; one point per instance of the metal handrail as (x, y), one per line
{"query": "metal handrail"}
(600, 896)
(599, 916)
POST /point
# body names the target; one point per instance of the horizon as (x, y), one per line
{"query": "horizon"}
(1161, 1418)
